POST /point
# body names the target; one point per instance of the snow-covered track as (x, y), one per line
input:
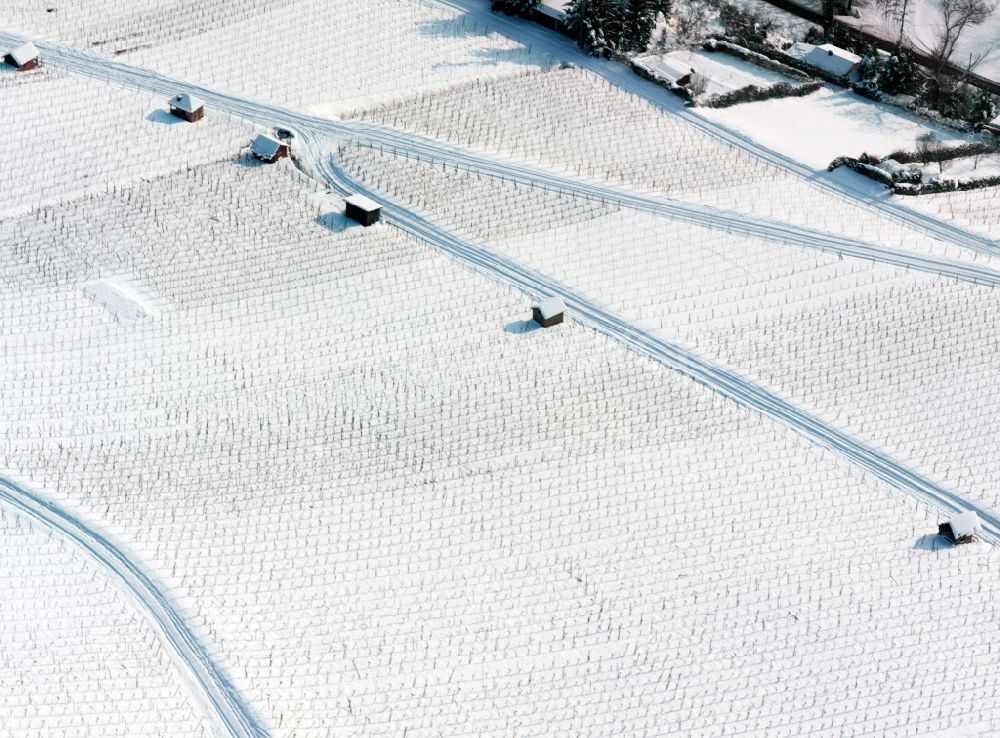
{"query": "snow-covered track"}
(411, 145)
(717, 378)
(218, 698)
(622, 77)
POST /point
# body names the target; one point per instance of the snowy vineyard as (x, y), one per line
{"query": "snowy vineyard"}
(130, 136)
(387, 505)
(77, 657)
(892, 355)
(563, 119)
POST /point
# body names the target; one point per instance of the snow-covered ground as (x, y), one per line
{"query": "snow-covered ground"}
(874, 348)
(77, 658)
(722, 72)
(977, 210)
(71, 135)
(381, 500)
(390, 505)
(829, 123)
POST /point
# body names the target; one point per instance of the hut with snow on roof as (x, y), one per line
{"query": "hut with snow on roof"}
(961, 528)
(187, 108)
(268, 149)
(23, 58)
(549, 312)
(363, 209)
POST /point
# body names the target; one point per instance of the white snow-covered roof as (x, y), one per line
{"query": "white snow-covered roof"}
(551, 306)
(186, 103)
(265, 145)
(832, 59)
(24, 53)
(965, 524)
(362, 202)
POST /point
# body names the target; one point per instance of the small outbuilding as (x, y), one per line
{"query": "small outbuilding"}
(23, 58)
(268, 149)
(549, 312)
(363, 209)
(961, 528)
(832, 59)
(187, 108)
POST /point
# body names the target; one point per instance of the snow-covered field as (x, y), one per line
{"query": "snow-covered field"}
(77, 658)
(382, 502)
(977, 210)
(70, 135)
(318, 56)
(895, 356)
(723, 73)
(829, 123)
(562, 120)
(376, 535)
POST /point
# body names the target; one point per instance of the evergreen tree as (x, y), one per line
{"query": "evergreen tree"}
(640, 19)
(899, 75)
(597, 24)
(984, 109)
(514, 7)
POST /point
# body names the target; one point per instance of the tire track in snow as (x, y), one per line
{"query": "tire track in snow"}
(411, 145)
(218, 698)
(717, 378)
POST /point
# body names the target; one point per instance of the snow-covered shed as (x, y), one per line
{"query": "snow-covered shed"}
(548, 312)
(187, 107)
(363, 209)
(832, 59)
(23, 58)
(268, 149)
(961, 528)
(993, 126)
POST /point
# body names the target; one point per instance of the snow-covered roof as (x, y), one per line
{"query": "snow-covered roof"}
(965, 524)
(363, 203)
(24, 53)
(551, 306)
(265, 145)
(186, 103)
(832, 59)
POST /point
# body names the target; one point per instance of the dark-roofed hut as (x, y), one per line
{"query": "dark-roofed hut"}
(187, 108)
(268, 149)
(363, 209)
(23, 58)
(961, 528)
(549, 312)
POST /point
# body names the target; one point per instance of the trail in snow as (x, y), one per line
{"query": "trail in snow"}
(218, 697)
(620, 76)
(415, 145)
(406, 144)
(717, 378)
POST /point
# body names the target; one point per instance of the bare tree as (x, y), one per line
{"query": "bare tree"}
(895, 12)
(956, 16)
(929, 147)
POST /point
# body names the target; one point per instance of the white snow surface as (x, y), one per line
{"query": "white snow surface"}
(723, 72)
(831, 122)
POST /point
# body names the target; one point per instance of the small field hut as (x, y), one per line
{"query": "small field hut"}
(187, 108)
(961, 528)
(363, 209)
(549, 312)
(268, 149)
(23, 58)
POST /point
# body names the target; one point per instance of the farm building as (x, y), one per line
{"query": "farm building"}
(268, 149)
(363, 209)
(187, 108)
(831, 59)
(961, 528)
(549, 312)
(23, 58)
(993, 126)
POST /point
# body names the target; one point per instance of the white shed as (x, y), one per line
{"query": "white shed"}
(267, 148)
(549, 312)
(24, 57)
(832, 59)
(187, 107)
(961, 528)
